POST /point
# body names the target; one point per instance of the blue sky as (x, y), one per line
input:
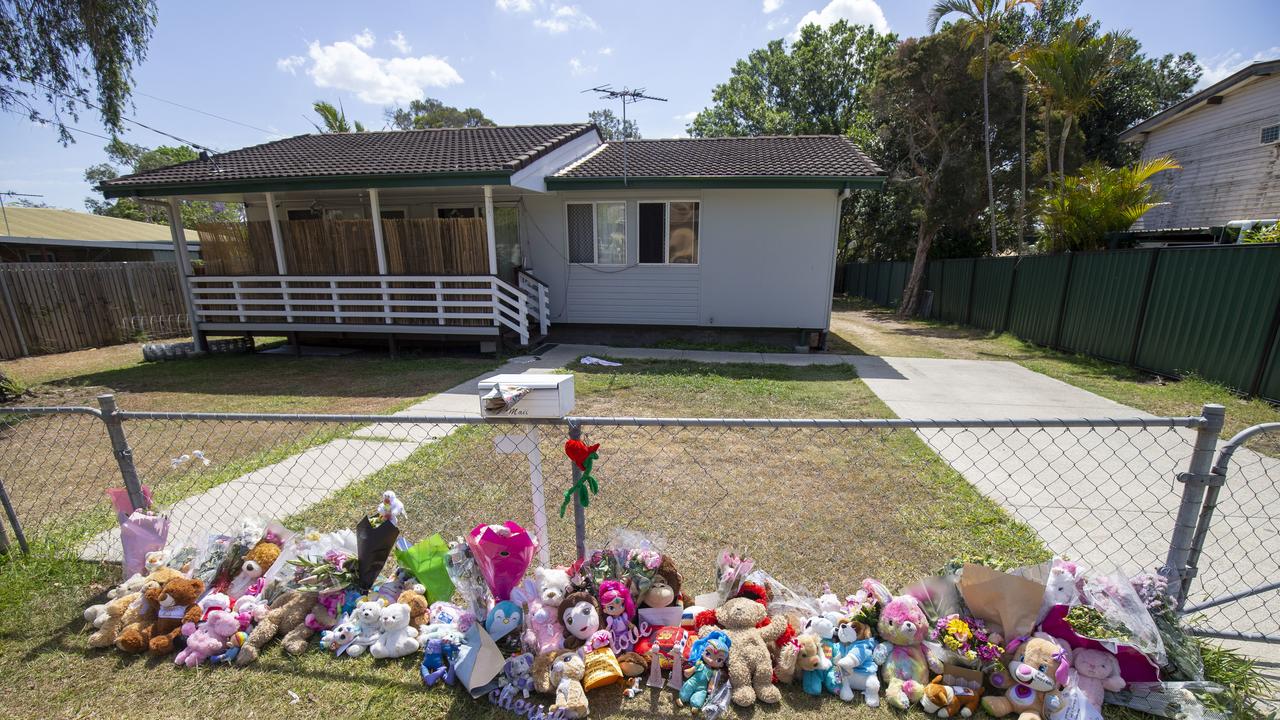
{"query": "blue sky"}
(520, 61)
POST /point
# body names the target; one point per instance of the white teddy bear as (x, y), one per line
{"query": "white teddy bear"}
(96, 615)
(397, 638)
(368, 619)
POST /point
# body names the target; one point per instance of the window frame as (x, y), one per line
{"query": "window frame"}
(595, 232)
(1262, 134)
(666, 232)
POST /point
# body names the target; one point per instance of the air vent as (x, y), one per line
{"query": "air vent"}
(1270, 134)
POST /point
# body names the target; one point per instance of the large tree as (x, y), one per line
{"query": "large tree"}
(431, 113)
(818, 85)
(980, 19)
(58, 57)
(136, 158)
(613, 127)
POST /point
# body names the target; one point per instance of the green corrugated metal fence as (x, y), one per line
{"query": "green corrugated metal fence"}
(1211, 311)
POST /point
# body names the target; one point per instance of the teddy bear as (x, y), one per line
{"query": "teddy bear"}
(335, 639)
(96, 615)
(541, 598)
(397, 637)
(126, 610)
(168, 608)
(750, 667)
(419, 609)
(289, 617)
(368, 618)
(253, 566)
(1096, 672)
(906, 664)
(560, 673)
(948, 701)
(209, 639)
(811, 662)
(855, 665)
(1039, 669)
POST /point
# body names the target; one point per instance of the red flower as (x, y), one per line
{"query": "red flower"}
(579, 451)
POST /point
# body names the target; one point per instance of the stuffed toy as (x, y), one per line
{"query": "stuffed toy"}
(209, 639)
(127, 609)
(750, 669)
(618, 609)
(906, 664)
(368, 619)
(1096, 672)
(633, 666)
(228, 655)
(440, 643)
(288, 617)
(1060, 587)
(664, 589)
(419, 609)
(709, 655)
(168, 607)
(1039, 669)
(250, 609)
(855, 665)
(504, 619)
(253, 566)
(542, 632)
(397, 637)
(948, 701)
(784, 666)
(96, 615)
(337, 638)
(517, 675)
(579, 617)
(811, 663)
(561, 673)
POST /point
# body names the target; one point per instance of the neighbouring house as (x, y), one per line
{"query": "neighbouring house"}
(736, 233)
(1227, 140)
(53, 235)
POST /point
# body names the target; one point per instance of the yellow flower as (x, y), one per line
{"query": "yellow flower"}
(958, 629)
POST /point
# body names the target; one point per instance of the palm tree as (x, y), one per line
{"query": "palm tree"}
(333, 119)
(1080, 210)
(981, 17)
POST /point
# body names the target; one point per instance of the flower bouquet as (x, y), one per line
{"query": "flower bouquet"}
(334, 569)
(968, 642)
(376, 536)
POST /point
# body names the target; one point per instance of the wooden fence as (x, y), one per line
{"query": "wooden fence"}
(57, 307)
(417, 246)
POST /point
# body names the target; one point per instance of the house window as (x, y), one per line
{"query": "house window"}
(311, 214)
(1270, 134)
(455, 213)
(597, 232)
(392, 214)
(669, 232)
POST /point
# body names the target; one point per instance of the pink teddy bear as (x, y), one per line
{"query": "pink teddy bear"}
(1096, 671)
(209, 639)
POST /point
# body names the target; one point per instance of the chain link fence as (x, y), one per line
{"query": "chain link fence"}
(811, 500)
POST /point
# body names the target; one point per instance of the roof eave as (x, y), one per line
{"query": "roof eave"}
(319, 182)
(1259, 69)
(772, 182)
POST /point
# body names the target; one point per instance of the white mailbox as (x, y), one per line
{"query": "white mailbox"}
(549, 395)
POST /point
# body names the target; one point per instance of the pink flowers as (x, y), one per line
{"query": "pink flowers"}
(337, 558)
(968, 638)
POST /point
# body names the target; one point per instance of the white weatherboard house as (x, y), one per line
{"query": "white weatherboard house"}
(710, 233)
(1227, 140)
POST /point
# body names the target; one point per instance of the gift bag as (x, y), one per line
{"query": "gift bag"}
(602, 669)
(1008, 602)
(503, 553)
(426, 562)
(141, 533)
(373, 546)
(123, 505)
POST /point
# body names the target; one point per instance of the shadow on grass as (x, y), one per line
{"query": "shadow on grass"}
(727, 371)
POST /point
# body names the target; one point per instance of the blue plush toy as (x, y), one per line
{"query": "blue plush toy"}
(438, 653)
(855, 666)
(709, 656)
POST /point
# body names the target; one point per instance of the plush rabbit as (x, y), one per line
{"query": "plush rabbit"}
(1096, 672)
(906, 664)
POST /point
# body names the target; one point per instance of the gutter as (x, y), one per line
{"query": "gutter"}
(324, 182)
(834, 182)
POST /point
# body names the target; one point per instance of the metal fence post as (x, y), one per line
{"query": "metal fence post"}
(120, 448)
(1195, 480)
(579, 514)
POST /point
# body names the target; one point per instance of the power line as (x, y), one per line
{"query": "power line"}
(126, 118)
(205, 112)
(45, 123)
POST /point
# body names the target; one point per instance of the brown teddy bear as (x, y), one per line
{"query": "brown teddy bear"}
(1039, 670)
(750, 669)
(297, 615)
(168, 606)
(948, 701)
(560, 672)
(419, 608)
(126, 610)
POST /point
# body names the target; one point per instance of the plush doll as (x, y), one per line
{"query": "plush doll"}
(948, 701)
(503, 621)
(1040, 669)
(517, 675)
(633, 666)
(288, 617)
(906, 664)
(96, 615)
(579, 617)
(1096, 672)
(811, 663)
(1059, 587)
(664, 589)
(823, 626)
(784, 665)
(337, 638)
(250, 609)
(232, 649)
(127, 609)
(855, 665)
(542, 632)
(253, 566)
(168, 607)
(618, 608)
(709, 656)
(397, 637)
(419, 609)
(209, 639)
(750, 669)
(561, 673)
(440, 643)
(368, 619)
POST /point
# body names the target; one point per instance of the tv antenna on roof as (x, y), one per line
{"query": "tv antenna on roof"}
(628, 96)
(5, 213)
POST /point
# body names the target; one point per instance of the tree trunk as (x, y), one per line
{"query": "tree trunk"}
(1062, 148)
(1048, 147)
(1022, 193)
(911, 294)
(986, 140)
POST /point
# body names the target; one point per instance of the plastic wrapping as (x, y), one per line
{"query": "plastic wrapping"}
(1116, 599)
(467, 578)
(503, 553)
(1176, 700)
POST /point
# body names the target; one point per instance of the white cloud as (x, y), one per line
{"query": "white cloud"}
(564, 18)
(858, 12)
(771, 5)
(1219, 67)
(290, 64)
(399, 42)
(778, 22)
(577, 67)
(378, 81)
(515, 5)
(606, 51)
(364, 39)
(687, 117)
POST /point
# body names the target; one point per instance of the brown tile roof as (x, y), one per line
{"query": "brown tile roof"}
(738, 157)
(446, 151)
